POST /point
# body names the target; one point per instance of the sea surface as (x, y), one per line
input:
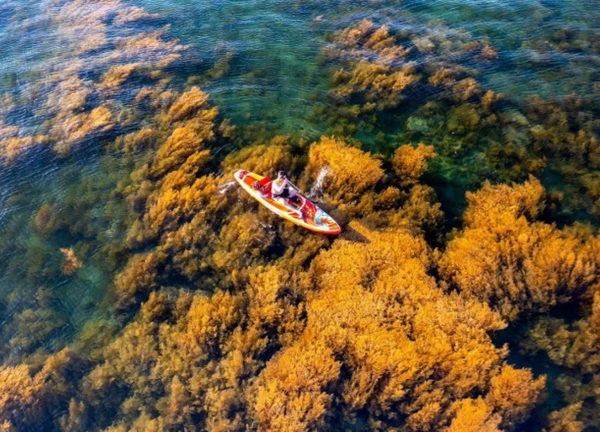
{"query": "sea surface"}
(268, 66)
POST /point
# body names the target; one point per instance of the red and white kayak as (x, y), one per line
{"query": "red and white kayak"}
(303, 212)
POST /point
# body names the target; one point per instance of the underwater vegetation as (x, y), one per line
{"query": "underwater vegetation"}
(574, 347)
(379, 69)
(303, 340)
(507, 258)
(269, 328)
(377, 72)
(153, 296)
(79, 99)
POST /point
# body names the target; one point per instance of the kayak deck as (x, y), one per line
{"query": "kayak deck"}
(303, 212)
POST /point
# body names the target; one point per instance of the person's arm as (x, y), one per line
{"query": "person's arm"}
(291, 185)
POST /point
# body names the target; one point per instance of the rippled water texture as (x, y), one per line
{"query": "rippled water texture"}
(90, 90)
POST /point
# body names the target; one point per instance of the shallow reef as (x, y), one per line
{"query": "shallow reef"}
(423, 84)
(151, 294)
(79, 100)
(272, 328)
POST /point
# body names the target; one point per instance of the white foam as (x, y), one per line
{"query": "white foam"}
(225, 188)
(317, 187)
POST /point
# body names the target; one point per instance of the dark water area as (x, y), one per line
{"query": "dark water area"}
(91, 92)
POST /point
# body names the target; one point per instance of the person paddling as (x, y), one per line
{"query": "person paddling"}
(279, 189)
(290, 204)
(282, 188)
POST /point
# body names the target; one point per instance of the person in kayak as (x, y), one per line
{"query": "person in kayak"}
(280, 189)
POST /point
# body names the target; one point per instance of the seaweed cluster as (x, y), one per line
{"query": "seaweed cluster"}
(79, 100)
(270, 328)
(217, 315)
(382, 70)
(414, 84)
(573, 346)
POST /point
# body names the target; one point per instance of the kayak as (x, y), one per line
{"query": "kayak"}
(302, 211)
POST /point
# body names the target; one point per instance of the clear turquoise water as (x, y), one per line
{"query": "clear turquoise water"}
(276, 76)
